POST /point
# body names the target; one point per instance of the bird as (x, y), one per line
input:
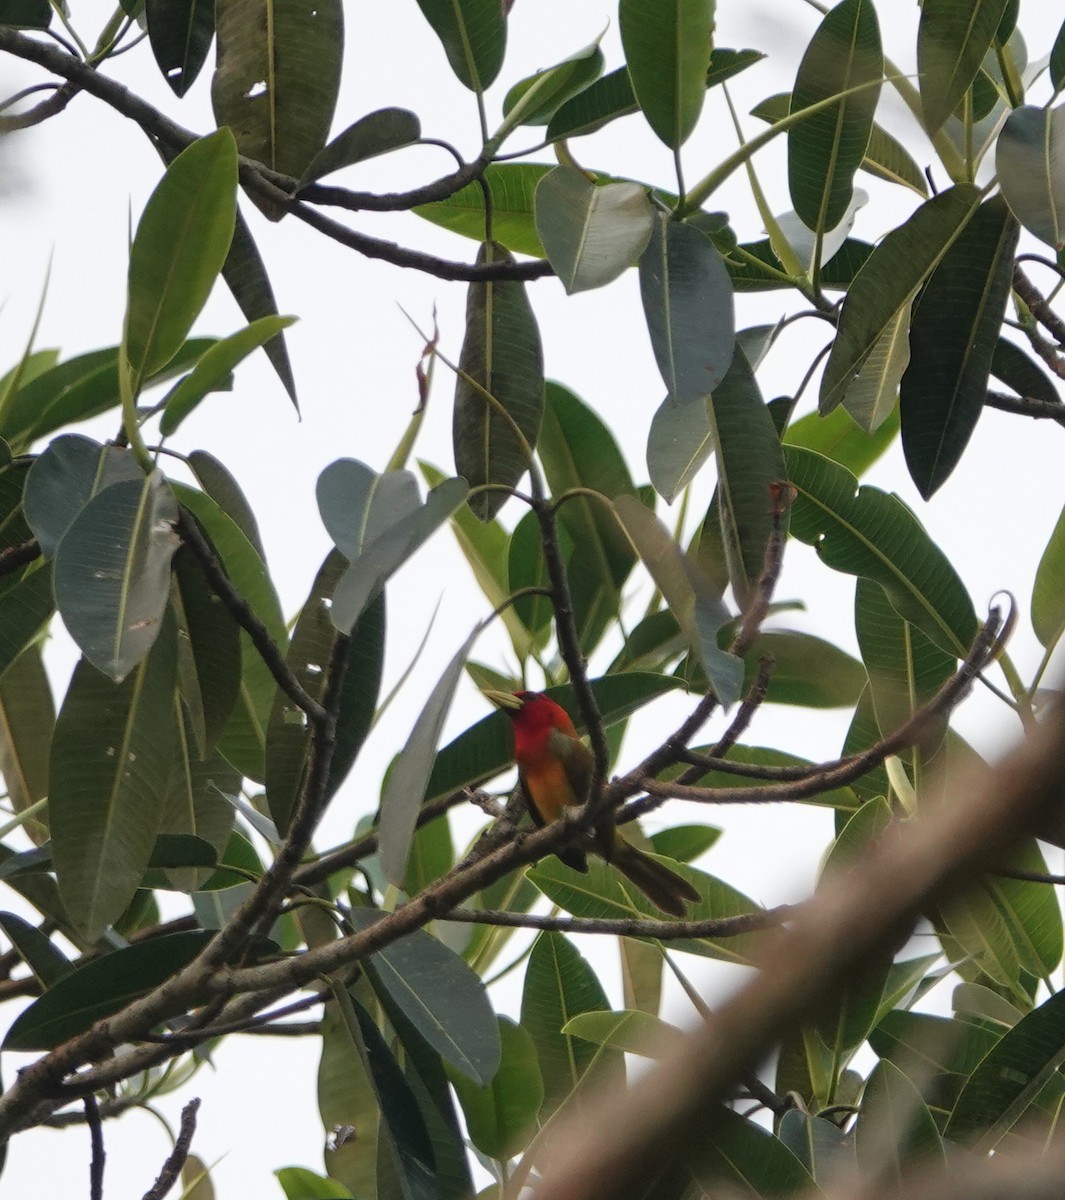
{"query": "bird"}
(555, 768)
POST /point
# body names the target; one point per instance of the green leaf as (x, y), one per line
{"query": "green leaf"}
(667, 52)
(591, 234)
(871, 397)
(299, 1183)
(1028, 165)
(807, 670)
(631, 1031)
(1030, 910)
(474, 34)
(27, 723)
(277, 76)
(685, 843)
(750, 275)
(952, 340)
(181, 243)
(346, 1098)
(1010, 1077)
(603, 893)
(25, 14)
(441, 997)
(742, 1153)
(894, 1126)
(215, 366)
(687, 302)
(534, 100)
(888, 281)
(750, 464)
(181, 32)
(864, 531)
(527, 567)
(501, 1115)
(559, 985)
(512, 188)
(1048, 590)
(47, 962)
(691, 597)
(501, 357)
(826, 150)
(110, 769)
(1057, 60)
(836, 436)
(975, 927)
(952, 39)
(112, 572)
(102, 987)
(679, 441)
(377, 133)
(819, 1144)
(215, 479)
(1019, 371)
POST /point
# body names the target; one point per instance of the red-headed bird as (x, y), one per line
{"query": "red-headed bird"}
(555, 768)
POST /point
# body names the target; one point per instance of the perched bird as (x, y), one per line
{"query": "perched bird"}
(555, 768)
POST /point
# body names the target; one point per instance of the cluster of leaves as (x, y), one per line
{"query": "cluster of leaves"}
(192, 694)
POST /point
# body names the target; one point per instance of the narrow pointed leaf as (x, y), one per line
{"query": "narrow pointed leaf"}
(474, 34)
(501, 356)
(181, 243)
(1019, 371)
(181, 32)
(825, 151)
(952, 39)
(277, 77)
(688, 305)
(667, 52)
(679, 441)
(591, 234)
(953, 335)
(377, 133)
(1048, 591)
(110, 769)
(346, 1098)
(47, 962)
(864, 531)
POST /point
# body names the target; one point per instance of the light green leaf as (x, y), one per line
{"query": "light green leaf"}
(630, 1030)
(894, 1126)
(836, 436)
(512, 189)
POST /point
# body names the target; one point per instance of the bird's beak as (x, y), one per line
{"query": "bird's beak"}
(507, 701)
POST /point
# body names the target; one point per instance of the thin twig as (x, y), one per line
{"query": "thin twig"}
(718, 927)
(52, 106)
(168, 1176)
(99, 1155)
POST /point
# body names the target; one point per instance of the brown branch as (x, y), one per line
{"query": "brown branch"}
(99, 1155)
(745, 713)
(429, 193)
(168, 1176)
(55, 103)
(1038, 305)
(1027, 406)
(18, 556)
(716, 927)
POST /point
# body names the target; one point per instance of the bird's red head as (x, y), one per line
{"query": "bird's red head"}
(533, 715)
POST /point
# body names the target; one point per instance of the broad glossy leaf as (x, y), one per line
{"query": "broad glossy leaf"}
(181, 32)
(691, 597)
(110, 770)
(410, 773)
(679, 441)
(953, 335)
(1048, 591)
(807, 670)
(501, 356)
(1031, 173)
(27, 722)
(181, 242)
(894, 1126)
(888, 281)
(667, 52)
(687, 301)
(277, 77)
(559, 985)
(864, 531)
(377, 133)
(972, 926)
(440, 996)
(750, 464)
(63, 479)
(836, 436)
(826, 150)
(744, 1155)
(1057, 60)
(685, 843)
(534, 100)
(871, 398)
(1030, 911)
(102, 987)
(512, 188)
(215, 366)
(803, 240)
(952, 39)
(527, 567)
(501, 1115)
(112, 572)
(474, 34)
(357, 505)
(591, 233)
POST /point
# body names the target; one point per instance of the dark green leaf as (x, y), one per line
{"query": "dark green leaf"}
(842, 799)
(501, 356)
(742, 1154)
(687, 302)
(277, 77)
(952, 39)
(47, 962)
(527, 567)
(826, 150)
(952, 339)
(27, 722)
(667, 52)
(1019, 371)
(25, 14)
(346, 1098)
(1030, 910)
(819, 1144)
(807, 670)
(181, 32)
(100, 988)
(749, 276)
(377, 133)
(474, 34)
(1057, 60)
(224, 490)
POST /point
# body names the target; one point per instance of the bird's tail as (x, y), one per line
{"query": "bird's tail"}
(662, 886)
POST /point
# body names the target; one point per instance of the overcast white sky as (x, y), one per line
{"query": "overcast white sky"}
(73, 183)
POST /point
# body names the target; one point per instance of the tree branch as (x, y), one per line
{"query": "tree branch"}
(1027, 406)
(715, 927)
(168, 1176)
(99, 1155)
(1038, 305)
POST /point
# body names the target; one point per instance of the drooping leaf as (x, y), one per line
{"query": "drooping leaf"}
(864, 531)
(1028, 161)
(687, 301)
(679, 441)
(110, 770)
(346, 1099)
(534, 100)
(591, 234)
(826, 150)
(952, 340)
(1019, 371)
(181, 242)
(501, 358)
(750, 275)
(277, 77)
(667, 52)
(181, 32)
(952, 38)
(377, 133)
(112, 572)
(888, 281)
(474, 34)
